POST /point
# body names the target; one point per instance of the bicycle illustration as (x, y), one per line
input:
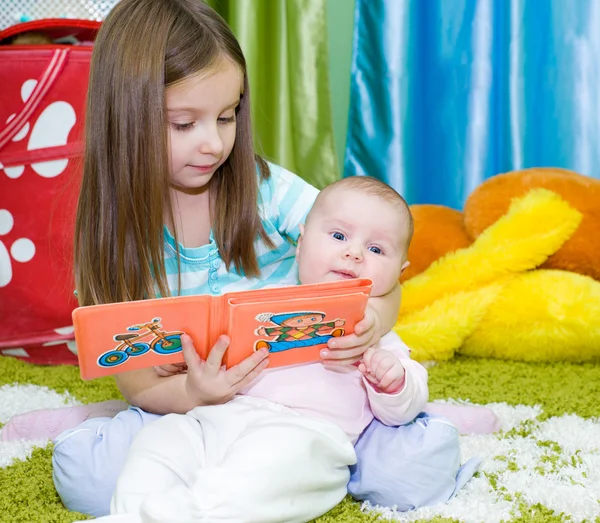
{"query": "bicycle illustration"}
(130, 344)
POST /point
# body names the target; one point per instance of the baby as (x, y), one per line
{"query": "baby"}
(280, 450)
(360, 227)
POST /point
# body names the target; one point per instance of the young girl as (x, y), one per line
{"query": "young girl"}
(174, 201)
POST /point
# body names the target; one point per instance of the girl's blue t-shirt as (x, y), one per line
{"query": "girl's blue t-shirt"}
(284, 202)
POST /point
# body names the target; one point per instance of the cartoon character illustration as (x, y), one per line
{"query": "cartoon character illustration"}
(296, 329)
(163, 342)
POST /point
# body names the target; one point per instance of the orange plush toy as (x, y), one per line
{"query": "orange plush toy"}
(581, 252)
(440, 230)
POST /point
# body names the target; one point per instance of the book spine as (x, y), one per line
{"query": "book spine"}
(217, 321)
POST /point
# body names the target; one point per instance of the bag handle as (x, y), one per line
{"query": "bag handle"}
(44, 84)
(47, 154)
(54, 28)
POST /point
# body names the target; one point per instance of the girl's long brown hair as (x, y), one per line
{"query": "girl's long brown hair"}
(143, 47)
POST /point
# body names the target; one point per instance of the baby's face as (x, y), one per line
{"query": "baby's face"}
(353, 235)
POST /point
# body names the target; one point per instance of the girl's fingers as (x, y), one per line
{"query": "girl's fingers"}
(166, 370)
(366, 324)
(214, 361)
(190, 355)
(352, 341)
(252, 375)
(349, 341)
(343, 354)
(239, 372)
(341, 362)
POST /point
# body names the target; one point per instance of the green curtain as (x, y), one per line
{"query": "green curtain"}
(286, 48)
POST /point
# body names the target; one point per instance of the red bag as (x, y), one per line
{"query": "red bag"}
(42, 105)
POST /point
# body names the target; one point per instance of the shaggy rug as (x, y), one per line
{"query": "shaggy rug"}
(543, 467)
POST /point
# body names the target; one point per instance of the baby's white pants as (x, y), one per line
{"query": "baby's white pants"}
(249, 460)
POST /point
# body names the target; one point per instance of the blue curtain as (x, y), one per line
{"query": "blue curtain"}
(446, 93)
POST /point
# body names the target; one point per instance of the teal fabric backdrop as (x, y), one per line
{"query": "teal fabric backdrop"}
(446, 93)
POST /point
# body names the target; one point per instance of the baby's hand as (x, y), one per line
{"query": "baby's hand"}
(170, 369)
(383, 369)
(350, 349)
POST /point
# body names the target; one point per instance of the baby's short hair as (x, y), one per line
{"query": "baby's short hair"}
(375, 187)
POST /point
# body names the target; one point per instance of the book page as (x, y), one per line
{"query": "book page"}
(126, 336)
(293, 330)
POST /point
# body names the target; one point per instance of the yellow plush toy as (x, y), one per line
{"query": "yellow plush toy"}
(490, 300)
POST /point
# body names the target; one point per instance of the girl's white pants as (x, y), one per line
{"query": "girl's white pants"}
(249, 460)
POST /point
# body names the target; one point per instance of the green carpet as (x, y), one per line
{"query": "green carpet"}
(544, 468)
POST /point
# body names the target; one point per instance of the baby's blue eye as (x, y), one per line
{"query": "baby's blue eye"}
(299, 321)
(338, 236)
(376, 250)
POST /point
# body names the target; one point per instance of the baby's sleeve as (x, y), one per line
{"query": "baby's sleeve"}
(401, 407)
(288, 199)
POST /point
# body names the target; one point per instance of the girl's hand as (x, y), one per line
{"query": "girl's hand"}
(349, 349)
(208, 382)
(170, 369)
(383, 369)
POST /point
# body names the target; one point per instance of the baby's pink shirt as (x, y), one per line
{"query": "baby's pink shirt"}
(342, 395)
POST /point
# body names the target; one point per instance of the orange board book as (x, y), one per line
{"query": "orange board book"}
(294, 323)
